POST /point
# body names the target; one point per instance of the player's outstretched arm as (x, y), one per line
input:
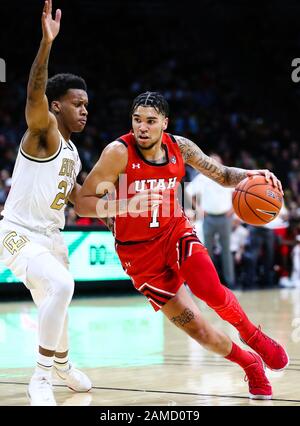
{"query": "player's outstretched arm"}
(38, 117)
(225, 176)
(102, 180)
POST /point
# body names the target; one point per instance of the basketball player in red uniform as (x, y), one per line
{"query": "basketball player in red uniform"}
(159, 249)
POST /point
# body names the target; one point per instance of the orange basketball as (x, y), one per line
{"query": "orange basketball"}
(256, 201)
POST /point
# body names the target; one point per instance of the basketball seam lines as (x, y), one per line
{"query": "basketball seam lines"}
(258, 196)
(254, 211)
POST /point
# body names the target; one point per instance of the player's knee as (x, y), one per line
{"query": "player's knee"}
(65, 286)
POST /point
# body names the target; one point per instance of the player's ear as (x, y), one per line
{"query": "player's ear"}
(165, 123)
(55, 107)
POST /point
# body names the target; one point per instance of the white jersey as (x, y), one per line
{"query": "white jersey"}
(40, 188)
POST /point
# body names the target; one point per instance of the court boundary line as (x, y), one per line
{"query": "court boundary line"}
(163, 391)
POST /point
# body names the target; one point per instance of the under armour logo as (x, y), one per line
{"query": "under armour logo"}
(128, 264)
(136, 166)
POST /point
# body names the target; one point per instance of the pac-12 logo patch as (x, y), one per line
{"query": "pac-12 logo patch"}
(173, 159)
(270, 194)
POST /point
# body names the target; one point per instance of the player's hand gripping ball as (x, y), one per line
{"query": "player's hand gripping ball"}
(256, 201)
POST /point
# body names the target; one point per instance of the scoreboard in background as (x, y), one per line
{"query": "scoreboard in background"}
(92, 257)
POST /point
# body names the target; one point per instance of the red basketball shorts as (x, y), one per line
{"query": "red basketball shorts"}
(154, 266)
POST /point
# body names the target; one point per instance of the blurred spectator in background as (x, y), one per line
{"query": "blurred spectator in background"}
(242, 261)
(262, 248)
(3, 193)
(294, 279)
(265, 242)
(295, 275)
(280, 227)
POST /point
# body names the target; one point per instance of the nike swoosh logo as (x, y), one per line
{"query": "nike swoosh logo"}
(273, 214)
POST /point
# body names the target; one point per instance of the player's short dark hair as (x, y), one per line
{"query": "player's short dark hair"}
(151, 99)
(59, 84)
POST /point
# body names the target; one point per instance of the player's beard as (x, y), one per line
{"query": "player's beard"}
(147, 148)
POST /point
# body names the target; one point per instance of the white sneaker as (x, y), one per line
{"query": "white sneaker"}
(286, 282)
(74, 379)
(40, 391)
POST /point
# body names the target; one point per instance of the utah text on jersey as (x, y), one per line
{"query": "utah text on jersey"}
(159, 184)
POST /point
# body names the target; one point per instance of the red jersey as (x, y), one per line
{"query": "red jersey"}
(141, 175)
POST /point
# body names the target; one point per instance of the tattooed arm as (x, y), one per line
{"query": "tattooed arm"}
(225, 176)
(42, 138)
(195, 157)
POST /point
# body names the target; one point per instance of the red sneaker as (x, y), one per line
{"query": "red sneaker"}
(272, 354)
(259, 385)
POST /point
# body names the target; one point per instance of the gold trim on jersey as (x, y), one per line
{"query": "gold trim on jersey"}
(41, 160)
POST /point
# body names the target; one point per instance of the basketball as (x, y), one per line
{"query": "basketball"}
(256, 201)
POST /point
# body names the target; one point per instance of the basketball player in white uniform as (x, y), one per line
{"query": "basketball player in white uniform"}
(44, 179)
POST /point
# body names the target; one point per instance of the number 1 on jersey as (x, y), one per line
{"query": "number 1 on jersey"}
(154, 222)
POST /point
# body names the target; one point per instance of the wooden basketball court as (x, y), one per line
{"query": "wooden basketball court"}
(134, 356)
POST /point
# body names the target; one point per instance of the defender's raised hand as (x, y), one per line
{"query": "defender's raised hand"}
(38, 117)
(50, 26)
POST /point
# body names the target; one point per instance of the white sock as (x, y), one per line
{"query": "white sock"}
(62, 363)
(44, 365)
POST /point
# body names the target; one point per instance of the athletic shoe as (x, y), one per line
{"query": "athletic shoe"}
(74, 379)
(259, 385)
(271, 352)
(40, 391)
